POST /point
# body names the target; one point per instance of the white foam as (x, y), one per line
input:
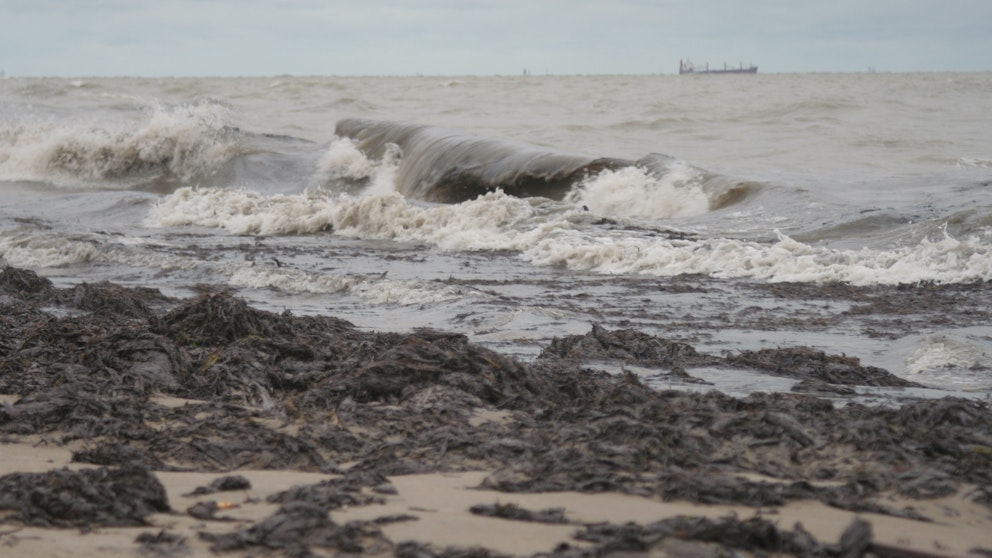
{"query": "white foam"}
(185, 142)
(34, 253)
(974, 162)
(489, 222)
(289, 280)
(947, 260)
(36, 250)
(243, 212)
(344, 160)
(408, 293)
(948, 351)
(44, 251)
(633, 192)
(963, 361)
(553, 238)
(374, 290)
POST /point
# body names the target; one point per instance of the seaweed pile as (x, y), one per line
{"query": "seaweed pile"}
(123, 496)
(95, 364)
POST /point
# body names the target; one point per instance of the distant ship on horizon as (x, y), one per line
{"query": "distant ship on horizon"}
(687, 67)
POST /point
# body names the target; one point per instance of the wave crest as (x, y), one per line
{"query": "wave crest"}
(446, 166)
(440, 165)
(633, 192)
(177, 145)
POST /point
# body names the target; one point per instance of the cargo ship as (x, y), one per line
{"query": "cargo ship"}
(687, 67)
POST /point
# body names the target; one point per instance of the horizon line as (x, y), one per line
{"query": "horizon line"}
(527, 74)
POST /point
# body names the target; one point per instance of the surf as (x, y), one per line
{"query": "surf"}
(442, 165)
(436, 164)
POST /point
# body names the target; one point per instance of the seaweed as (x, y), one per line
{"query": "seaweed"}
(296, 527)
(516, 513)
(103, 497)
(142, 382)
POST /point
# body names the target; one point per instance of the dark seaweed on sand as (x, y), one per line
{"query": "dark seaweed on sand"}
(123, 496)
(296, 527)
(517, 513)
(212, 384)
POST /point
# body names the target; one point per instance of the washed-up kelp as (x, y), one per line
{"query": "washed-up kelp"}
(223, 484)
(162, 543)
(212, 384)
(729, 533)
(517, 513)
(726, 537)
(635, 347)
(803, 362)
(336, 493)
(630, 346)
(297, 526)
(107, 497)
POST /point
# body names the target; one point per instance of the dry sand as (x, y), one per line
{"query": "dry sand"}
(440, 502)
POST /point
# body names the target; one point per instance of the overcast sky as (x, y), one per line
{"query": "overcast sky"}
(485, 37)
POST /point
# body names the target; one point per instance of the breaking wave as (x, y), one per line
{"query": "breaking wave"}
(446, 166)
(439, 165)
(173, 146)
(345, 163)
(633, 192)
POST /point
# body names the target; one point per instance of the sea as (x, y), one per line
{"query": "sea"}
(517, 209)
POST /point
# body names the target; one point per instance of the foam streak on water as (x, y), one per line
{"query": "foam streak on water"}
(504, 223)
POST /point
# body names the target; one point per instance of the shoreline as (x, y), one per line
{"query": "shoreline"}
(376, 430)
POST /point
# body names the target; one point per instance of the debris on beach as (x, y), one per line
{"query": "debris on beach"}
(295, 527)
(223, 484)
(810, 364)
(103, 497)
(517, 513)
(140, 383)
(162, 543)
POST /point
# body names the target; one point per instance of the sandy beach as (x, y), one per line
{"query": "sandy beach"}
(134, 424)
(437, 510)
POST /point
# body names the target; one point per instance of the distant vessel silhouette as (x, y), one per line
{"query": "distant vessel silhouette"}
(687, 67)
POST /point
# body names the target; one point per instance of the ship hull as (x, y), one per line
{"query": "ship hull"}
(686, 67)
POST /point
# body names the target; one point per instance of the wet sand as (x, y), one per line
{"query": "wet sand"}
(120, 403)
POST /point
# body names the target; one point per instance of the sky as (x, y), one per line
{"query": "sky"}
(487, 37)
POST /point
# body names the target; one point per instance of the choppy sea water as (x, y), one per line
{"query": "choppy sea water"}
(516, 209)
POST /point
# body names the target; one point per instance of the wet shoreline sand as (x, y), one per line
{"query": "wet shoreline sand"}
(389, 438)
